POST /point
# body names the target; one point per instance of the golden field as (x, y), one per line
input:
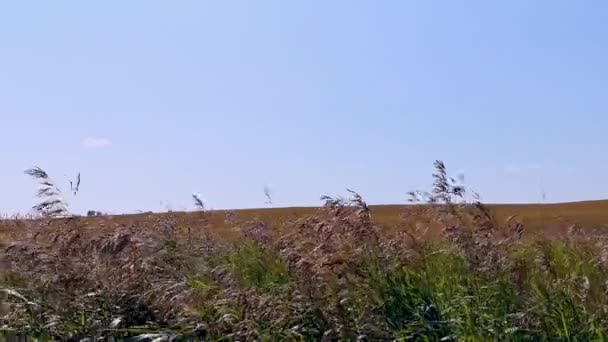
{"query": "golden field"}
(544, 219)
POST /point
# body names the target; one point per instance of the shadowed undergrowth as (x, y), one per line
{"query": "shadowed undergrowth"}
(332, 275)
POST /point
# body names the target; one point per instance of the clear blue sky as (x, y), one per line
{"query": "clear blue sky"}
(155, 100)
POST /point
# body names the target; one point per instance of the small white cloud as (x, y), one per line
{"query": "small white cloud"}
(96, 142)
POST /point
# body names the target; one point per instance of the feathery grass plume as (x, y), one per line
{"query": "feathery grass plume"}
(445, 188)
(470, 226)
(268, 194)
(198, 201)
(51, 201)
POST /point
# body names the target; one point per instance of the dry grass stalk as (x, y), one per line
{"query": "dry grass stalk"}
(52, 202)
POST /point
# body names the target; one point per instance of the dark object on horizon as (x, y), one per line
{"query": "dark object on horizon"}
(94, 213)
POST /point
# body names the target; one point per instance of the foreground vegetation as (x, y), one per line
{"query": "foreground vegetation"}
(334, 274)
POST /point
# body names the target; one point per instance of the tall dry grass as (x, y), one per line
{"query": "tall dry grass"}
(332, 275)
